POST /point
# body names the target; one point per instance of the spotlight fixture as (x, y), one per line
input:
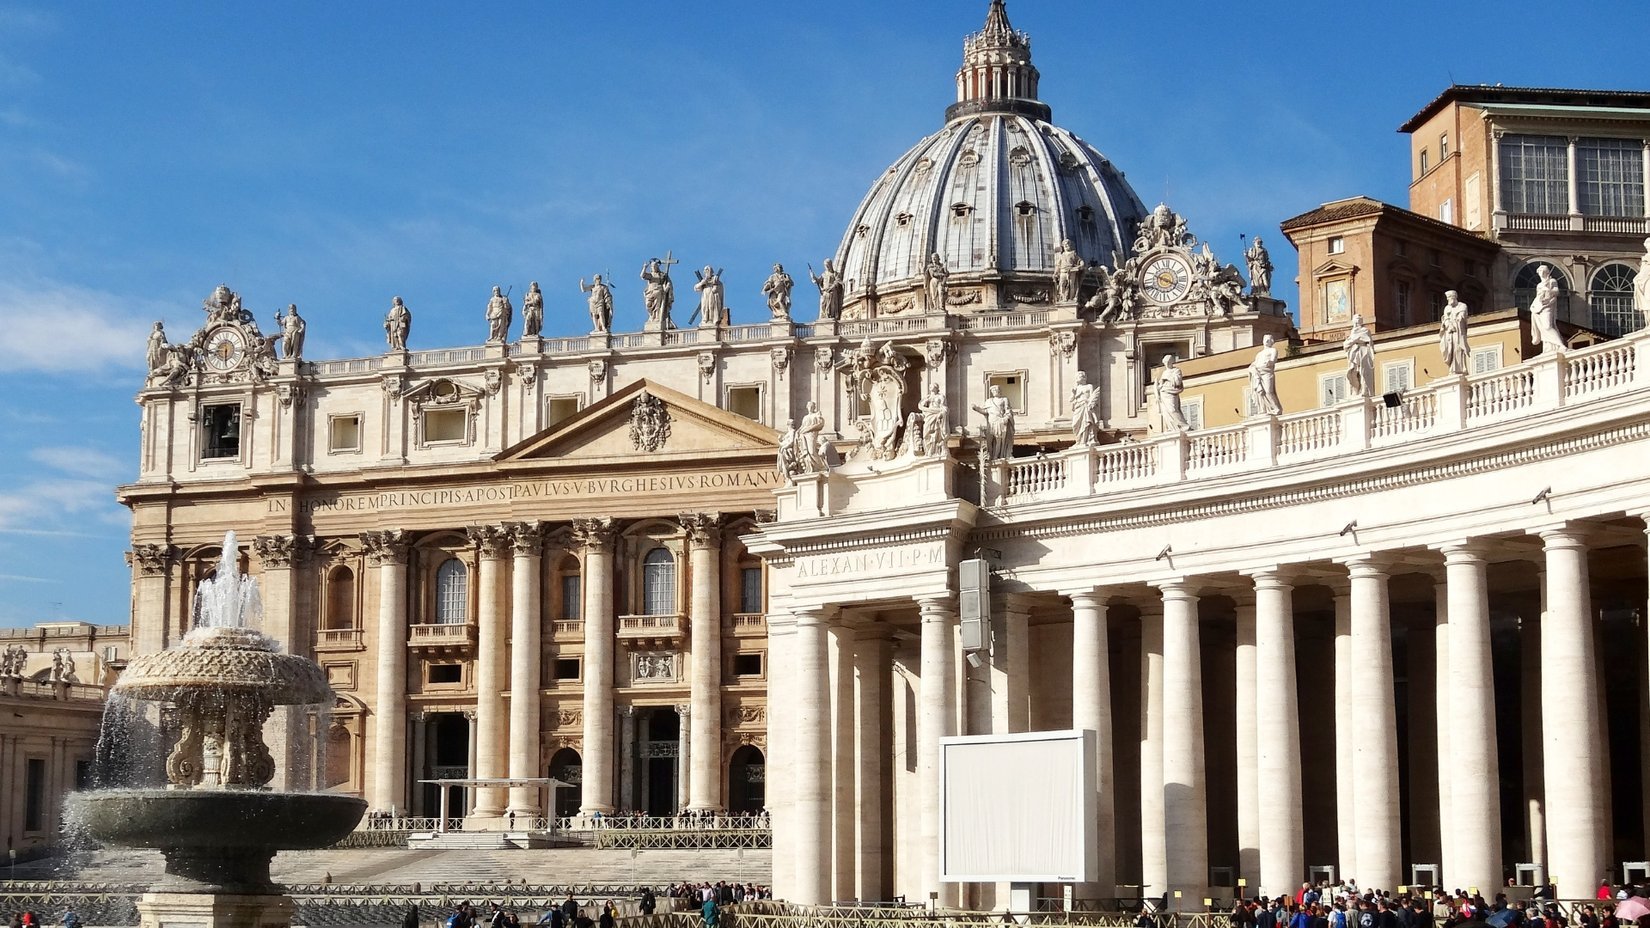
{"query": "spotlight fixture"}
(1349, 528)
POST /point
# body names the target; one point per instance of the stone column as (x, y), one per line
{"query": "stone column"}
(779, 794)
(149, 621)
(1278, 731)
(1443, 733)
(1570, 726)
(1346, 826)
(419, 728)
(492, 652)
(1374, 735)
(276, 584)
(844, 793)
(705, 622)
(684, 752)
(1248, 790)
(870, 751)
(1011, 666)
(595, 536)
(388, 550)
(1154, 866)
(627, 758)
(1474, 776)
(811, 799)
(1185, 797)
(936, 719)
(1535, 792)
(1091, 709)
(527, 544)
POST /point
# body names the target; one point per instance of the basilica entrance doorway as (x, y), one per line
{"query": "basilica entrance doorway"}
(659, 750)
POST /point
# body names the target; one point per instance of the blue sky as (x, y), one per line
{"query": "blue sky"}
(335, 155)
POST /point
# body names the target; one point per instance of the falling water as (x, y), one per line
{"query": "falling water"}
(229, 598)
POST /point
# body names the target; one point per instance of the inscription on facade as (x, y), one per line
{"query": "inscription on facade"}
(581, 488)
(872, 563)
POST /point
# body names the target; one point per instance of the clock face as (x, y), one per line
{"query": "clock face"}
(1167, 279)
(224, 349)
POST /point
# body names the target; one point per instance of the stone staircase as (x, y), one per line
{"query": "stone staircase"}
(581, 866)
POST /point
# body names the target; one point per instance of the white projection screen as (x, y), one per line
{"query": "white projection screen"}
(1017, 808)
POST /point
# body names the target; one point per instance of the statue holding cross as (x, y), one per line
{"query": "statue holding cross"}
(660, 293)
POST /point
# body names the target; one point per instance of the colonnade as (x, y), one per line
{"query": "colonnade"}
(1569, 833)
(507, 667)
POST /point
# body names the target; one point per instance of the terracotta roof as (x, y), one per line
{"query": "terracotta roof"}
(1354, 207)
(1485, 93)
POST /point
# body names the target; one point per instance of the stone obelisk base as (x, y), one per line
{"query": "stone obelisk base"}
(214, 910)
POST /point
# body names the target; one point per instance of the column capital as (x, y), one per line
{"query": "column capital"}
(685, 710)
(810, 614)
(388, 547)
(277, 551)
(490, 540)
(1366, 565)
(150, 560)
(593, 534)
(1176, 588)
(937, 608)
(1094, 598)
(526, 539)
(1463, 551)
(1564, 535)
(703, 528)
(1271, 577)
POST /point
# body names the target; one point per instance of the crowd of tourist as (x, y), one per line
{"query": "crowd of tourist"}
(705, 898)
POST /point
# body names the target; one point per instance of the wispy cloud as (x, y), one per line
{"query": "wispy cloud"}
(56, 328)
(18, 578)
(81, 461)
(47, 501)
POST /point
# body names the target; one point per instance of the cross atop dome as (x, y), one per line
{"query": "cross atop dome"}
(997, 75)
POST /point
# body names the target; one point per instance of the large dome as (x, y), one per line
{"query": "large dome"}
(994, 193)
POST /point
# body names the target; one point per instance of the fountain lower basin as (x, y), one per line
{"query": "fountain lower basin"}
(216, 840)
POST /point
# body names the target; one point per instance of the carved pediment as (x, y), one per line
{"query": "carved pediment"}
(1334, 267)
(641, 420)
(443, 392)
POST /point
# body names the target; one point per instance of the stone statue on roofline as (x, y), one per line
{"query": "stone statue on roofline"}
(659, 293)
(1263, 379)
(397, 325)
(1260, 268)
(601, 305)
(1359, 346)
(934, 281)
(778, 290)
(713, 308)
(500, 313)
(1452, 335)
(1085, 411)
(1641, 285)
(1170, 384)
(829, 282)
(998, 436)
(532, 311)
(292, 328)
(1068, 272)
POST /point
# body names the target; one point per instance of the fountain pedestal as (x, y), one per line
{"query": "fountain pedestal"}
(214, 910)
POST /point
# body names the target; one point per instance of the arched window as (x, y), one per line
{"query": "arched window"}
(658, 583)
(341, 598)
(1611, 300)
(452, 593)
(1524, 284)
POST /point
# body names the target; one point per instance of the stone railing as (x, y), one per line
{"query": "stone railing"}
(650, 626)
(339, 639)
(445, 635)
(1446, 407)
(748, 622)
(63, 690)
(567, 630)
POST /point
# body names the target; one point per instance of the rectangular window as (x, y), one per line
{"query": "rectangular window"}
(1194, 413)
(1485, 360)
(750, 589)
(221, 431)
(567, 668)
(344, 433)
(1423, 161)
(1013, 386)
(1398, 376)
(1331, 389)
(1535, 174)
(34, 791)
(747, 665)
(1443, 147)
(446, 673)
(111, 653)
(82, 774)
(1612, 177)
(746, 401)
(1404, 294)
(1153, 353)
(444, 425)
(1337, 244)
(560, 408)
(572, 589)
(1446, 211)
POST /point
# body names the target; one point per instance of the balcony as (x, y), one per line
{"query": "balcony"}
(567, 630)
(339, 639)
(449, 638)
(651, 630)
(748, 624)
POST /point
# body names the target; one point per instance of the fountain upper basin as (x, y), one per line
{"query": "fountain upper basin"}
(213, 818)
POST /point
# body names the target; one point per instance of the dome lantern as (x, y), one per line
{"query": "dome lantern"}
(997, 75)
